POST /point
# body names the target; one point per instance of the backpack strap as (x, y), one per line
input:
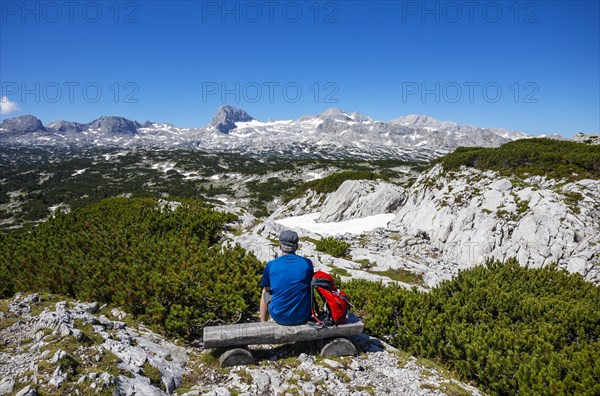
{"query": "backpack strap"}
(312, 305)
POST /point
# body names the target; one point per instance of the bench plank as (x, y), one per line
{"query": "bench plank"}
(273, 333)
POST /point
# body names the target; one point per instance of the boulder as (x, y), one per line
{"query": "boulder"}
(361, 198)
(6, 385)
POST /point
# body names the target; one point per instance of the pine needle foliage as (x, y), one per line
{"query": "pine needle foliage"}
(510, 329)
(332, 246)
(164, 266)
(528, 157)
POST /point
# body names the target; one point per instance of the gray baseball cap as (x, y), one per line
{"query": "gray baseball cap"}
(289, 241)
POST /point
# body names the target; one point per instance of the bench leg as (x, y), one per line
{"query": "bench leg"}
(236, 357)
(338, 347)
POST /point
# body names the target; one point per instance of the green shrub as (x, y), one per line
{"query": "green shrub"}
(510, 329)
(401, 275)
(522, 206)
(572, 200)
(527, 157)
(340, 271)
(165, 267)
(332, 246)
(153, 374)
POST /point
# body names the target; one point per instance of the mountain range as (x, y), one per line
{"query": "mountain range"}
(333, 133)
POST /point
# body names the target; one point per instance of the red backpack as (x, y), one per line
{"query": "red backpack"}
(336, 306)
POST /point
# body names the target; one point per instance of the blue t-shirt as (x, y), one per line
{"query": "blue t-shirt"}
(289, 278)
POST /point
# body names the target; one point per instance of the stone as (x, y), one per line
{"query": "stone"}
(333, 363)
(58, 377)
(27, 391)
(107, 379)
(355, 365)
(361, 198)
(64, 330)
(501, 185)
(309, 388)
(60, 354)
(6, 385)
(90, 308)
(118, 314)
(221, 391)
(303, 357)
(262, 381)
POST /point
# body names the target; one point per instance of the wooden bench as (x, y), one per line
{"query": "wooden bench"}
(235, 338)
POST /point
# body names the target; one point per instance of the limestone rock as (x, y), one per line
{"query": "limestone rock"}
(27, 391)
(60, 354)
(361, 198)
(133, 346)
(58, 377)
(6, 385)
(472, 215)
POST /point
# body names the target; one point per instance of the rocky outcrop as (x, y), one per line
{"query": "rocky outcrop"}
(361, 198)
(71, 345)
(379, 370)
(586, 138)
(66, 127)
(114, 125)
(446, 222)
(65, 347)
(227, 116)
(471, 215)
(22, 124)
(307, 203)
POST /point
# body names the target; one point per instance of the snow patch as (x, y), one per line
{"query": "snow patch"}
(314, 175)
(354, 226)
(164, 166)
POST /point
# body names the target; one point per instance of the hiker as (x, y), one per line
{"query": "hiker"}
(286, 284)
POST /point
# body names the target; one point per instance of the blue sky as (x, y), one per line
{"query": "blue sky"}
(528, 66)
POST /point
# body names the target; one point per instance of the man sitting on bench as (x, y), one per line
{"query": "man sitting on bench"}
(286, 285)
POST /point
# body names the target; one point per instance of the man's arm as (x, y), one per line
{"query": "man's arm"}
(264, 307)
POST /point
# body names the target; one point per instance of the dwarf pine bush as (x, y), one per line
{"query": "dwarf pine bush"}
(512, 330)
(332, 246)
(527, 157)
(165, 267)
